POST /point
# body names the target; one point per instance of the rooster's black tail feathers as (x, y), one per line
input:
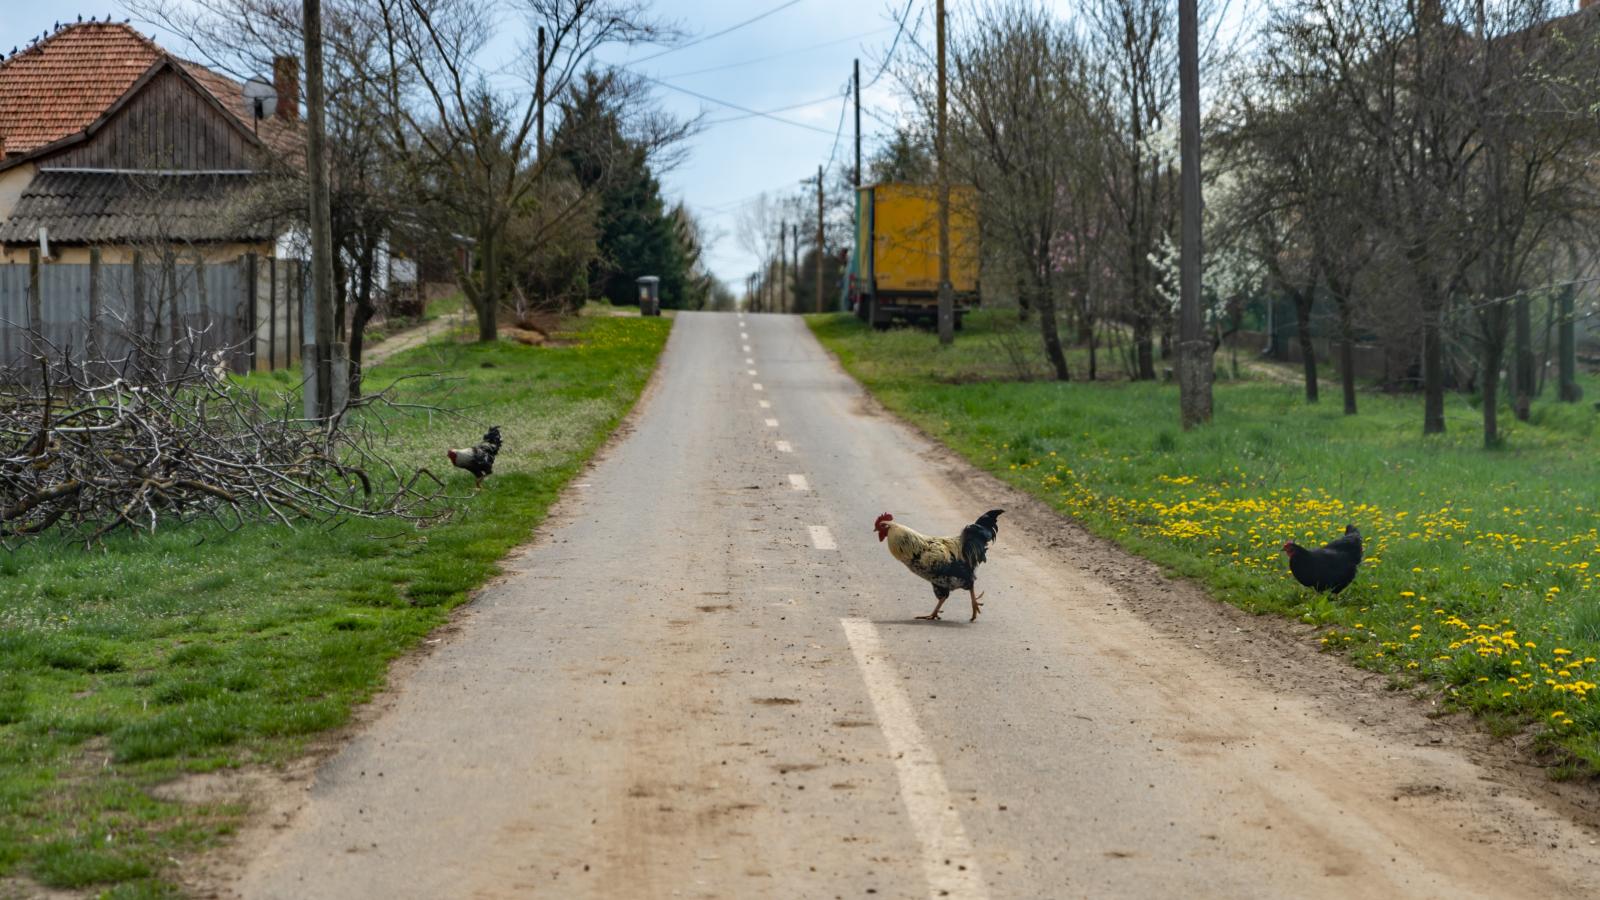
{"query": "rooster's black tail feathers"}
(976, 538)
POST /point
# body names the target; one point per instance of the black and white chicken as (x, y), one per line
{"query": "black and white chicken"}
(478, 459)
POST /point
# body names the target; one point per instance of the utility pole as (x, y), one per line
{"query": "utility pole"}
(819, 238)
(1194, 351)
(539, 95)
(320, 402)
(794, 248)
(947, 300)
(783, 265)
(857, 81)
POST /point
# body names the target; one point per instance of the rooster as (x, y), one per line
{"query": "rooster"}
(948, 563)
(478, 460)
(1329, 568)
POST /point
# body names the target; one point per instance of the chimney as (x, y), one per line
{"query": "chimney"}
(286, 83)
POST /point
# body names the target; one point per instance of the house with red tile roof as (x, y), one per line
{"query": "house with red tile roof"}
(108, 140)
(116, 153)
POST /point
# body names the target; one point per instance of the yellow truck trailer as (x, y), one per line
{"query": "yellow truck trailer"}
(895, 264)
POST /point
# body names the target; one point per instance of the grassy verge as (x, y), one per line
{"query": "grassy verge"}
(196, 649)
(1483, 569)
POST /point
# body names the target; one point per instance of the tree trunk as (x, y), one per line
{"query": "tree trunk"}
(1047, 326)
(1526, 379)
(1347, 358)
(1567, 349)
(1144, 347)
(1492, 352)
(1308, 353)
(1432, 372)
(488, 300)
(359, 318)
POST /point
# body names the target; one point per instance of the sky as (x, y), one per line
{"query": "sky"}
(727, 162)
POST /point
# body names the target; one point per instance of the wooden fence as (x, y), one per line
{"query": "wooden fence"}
(250, 309)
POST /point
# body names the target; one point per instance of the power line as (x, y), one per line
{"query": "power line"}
(743, 109)
(769, 58)
(889, 57)
(770, 111)
(731, 28)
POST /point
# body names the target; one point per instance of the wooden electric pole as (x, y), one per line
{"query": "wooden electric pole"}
(947, 300)
(1194, 351)
(783, 265)
(320, 402)
(538, 100)
(794, 248)
(819, 239)
(857, 82)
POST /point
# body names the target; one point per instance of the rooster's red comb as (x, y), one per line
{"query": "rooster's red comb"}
(878, 523)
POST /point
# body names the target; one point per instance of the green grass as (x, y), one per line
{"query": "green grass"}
(1483, 569)
(194, 649)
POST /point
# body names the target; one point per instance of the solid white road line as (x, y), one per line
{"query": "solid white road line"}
(764, 404)
(821, 537)
(947, 857)
(772, 423)
(756, 385)
(784, 447)
(799, 483)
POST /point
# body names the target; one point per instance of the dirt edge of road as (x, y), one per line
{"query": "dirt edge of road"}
(274, 795)
(1282, 653)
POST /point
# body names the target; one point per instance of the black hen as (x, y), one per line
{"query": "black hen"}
(1328, 568)
(479, 459)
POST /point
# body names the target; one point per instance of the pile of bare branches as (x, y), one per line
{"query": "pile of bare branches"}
(90, 449)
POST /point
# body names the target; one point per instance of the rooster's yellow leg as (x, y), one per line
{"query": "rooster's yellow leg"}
(934, 616)
(975, 604)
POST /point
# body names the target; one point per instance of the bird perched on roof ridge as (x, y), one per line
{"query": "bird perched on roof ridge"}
(479, 458)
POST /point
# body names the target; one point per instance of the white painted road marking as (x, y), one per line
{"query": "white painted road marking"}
(747, 348)
(821, 537)
(799, 483)
(947, 857)
(772, 423)
(744, 335)
(756, 385)
(751, 371)
(785, 447)
(749, 360)
(764, 404)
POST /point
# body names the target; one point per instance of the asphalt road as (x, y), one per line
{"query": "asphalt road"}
(704, 679)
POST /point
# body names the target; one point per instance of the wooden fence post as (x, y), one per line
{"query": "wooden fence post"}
(169, 266)
(272, 314)
(35, 303)
(252, 292)
(138, 311)
(95, 347)
(204, 296)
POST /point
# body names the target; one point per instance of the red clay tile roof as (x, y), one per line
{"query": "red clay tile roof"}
(61, 85)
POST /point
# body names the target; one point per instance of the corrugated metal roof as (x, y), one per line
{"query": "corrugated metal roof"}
(83, 207)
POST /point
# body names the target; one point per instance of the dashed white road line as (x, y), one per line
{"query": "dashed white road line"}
(947, 858)
(749, 360)
(799, 483)
(784, 446)
(747, 348)
(772, 423)
(764, 404)
(750, 371)
(756, 385)
(821, 537)
(744, 335)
